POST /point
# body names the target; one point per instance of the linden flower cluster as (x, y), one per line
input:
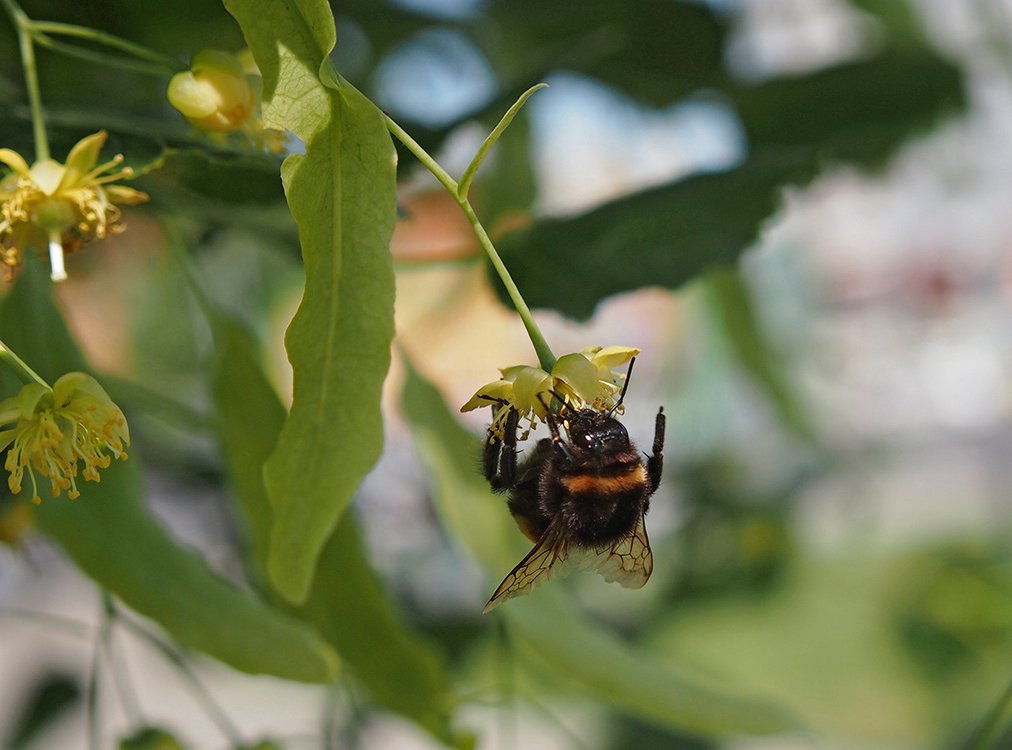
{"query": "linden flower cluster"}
(219, 94)
(581, 380)
(62, 206)
(56, 428)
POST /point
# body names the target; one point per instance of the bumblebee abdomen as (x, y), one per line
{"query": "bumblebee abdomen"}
(631, 479)
(601, 508)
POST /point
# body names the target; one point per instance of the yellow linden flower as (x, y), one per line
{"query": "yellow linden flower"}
(56, 428)
(62, 206)
(581, 380)
(220, 94)
(214, 93)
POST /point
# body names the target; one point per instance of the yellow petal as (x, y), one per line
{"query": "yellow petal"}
(28, 398)
(65, 387)
(192, 97)
(214, 59)
(125, 195)
(487, 395)
(580, 374)
(510, 373)
(14, 160)
(613, 356)
(530, 382)
(9, 411)
(47, 174)
(82, 158)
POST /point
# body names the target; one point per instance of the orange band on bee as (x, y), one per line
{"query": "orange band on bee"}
(582, 483)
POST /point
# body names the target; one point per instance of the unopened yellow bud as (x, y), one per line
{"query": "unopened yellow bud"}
(214, 94)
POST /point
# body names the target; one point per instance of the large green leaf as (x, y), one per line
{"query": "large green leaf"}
(250, 417)
(342, 195)
(859, 112)
(113, 539)
(656, 50)
(547, 625)
(347, 603)
(874, 649)
(351, 610)
(735, 310)
(664, 236)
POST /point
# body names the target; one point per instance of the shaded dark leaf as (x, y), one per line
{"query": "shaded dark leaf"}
(756, 353)
(657, 52)
(859, 112)
(660, 237)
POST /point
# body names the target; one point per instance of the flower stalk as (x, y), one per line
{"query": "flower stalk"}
(459, 193)
(23, 26)
(17, 365)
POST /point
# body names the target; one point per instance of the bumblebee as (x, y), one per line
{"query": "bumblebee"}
(580, 501)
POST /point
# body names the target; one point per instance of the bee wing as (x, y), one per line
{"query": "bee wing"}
(628, 561)
(537, 566)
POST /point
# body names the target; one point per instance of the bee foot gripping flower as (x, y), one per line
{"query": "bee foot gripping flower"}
(60, 206)
(581, 380)
(55, 429)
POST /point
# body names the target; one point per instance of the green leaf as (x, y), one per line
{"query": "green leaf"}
(228, 179)
(342, 195)
(347, 603)
(112, 538)
(546, 625)
(858, 112)
(250, 417)
(756, 353)
(658, 52)
(351, 610)
(833, 643)
(665, 236)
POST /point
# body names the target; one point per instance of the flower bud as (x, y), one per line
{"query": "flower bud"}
(214, 94)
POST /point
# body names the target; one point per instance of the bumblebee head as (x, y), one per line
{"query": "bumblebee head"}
(596, 432)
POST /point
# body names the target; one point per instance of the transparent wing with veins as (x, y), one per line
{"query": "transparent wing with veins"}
(627, 561)
(551, 550)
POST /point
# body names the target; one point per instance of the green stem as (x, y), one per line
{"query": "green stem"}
(25, 373)
(117, 667)
(163, 62)
(204, 698)
(99, 58)
(190, 276)
(94, 724)
(23, 25)
(544, 352)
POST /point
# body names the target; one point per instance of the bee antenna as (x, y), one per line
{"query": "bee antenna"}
(625, 386)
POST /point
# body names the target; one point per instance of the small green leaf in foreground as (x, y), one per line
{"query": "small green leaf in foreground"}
(342, 195)
(347, 603)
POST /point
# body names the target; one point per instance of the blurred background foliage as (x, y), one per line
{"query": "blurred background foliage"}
(833, 558)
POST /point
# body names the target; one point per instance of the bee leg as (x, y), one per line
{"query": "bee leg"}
(655, 462)
(558, 443)
(499, 460)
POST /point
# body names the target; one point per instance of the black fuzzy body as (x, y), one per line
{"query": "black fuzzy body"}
(597, 485)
